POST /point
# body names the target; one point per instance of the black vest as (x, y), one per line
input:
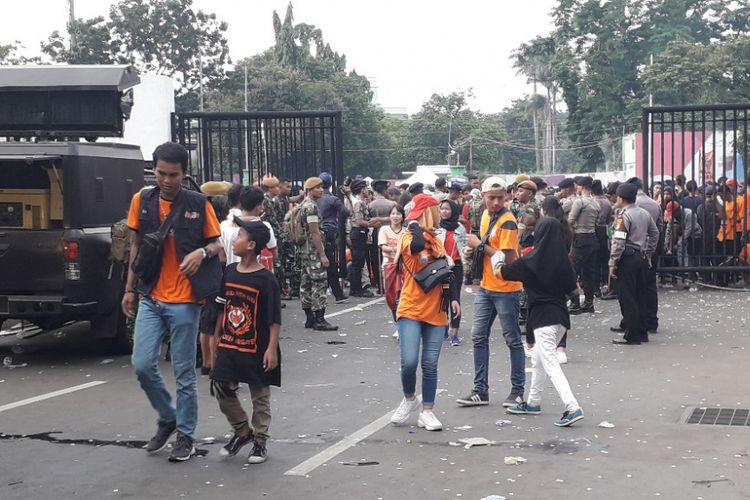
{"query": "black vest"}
(189, 208)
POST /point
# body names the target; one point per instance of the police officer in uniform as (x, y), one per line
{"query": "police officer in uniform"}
(361, 222)
(634, 242)
(314, 260)
(380, 207)
(583, 217)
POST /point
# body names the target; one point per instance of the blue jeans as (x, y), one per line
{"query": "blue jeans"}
(410, 333)
(505, 306)
(153, 322)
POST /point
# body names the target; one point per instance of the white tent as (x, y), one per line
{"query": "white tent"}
(423, 175)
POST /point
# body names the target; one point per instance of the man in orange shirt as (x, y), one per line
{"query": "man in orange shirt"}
(169, 302)
(496, 297)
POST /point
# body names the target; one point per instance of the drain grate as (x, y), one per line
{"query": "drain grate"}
(720, 416)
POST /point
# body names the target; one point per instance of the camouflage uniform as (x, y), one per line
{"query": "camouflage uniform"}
(314, 277)
(531, 207)
(270, 215)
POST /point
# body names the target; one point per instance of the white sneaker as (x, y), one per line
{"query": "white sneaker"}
(528, 351)
(562, 358)
(429, 421)
(395, 335)
(403, 411)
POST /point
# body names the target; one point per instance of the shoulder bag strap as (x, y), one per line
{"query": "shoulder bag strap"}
(168, 222)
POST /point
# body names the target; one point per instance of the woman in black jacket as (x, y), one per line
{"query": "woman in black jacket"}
(547, 277)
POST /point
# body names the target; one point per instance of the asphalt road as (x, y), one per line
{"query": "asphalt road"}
(331, 414)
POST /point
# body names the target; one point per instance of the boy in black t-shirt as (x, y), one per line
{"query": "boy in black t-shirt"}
(247, 334)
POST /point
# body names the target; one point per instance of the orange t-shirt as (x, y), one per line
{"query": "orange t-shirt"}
(734, 220)
(173, 286)
(504, 236)
(414, 303)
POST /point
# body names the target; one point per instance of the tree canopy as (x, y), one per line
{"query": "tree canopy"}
(590, 77)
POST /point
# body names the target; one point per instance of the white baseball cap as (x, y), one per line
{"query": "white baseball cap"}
(492, 183)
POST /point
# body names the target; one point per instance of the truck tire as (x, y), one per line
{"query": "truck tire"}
(114, 333)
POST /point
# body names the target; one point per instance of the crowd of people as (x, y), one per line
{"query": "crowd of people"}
(231, 257)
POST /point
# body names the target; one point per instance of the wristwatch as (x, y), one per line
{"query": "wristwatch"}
(206, 252)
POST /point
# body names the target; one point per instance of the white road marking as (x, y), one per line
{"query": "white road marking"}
(50, 395)
(347, 442)
(355, 308)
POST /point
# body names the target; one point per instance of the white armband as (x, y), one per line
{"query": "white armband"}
(620, 235)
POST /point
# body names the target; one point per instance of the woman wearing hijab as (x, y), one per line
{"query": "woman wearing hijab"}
(422, 319)
(547, 277)
(452, 235)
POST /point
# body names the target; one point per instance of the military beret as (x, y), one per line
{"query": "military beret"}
(584, 181)
(566, 183)
(357, 186)
(313, 182)
(528, 184)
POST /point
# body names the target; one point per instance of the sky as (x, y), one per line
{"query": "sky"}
(409, 49)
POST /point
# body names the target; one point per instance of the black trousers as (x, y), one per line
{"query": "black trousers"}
(585, 263)
(602, 257)
(630, 283)
(651, 296)
(359, 259)
(373, 257)
(331, 249)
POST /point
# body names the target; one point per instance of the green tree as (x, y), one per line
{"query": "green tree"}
(301, 72)
(10, 55)
(602, 48)
(693, 73)
(166, 37)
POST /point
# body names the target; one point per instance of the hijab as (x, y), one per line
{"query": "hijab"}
(451, 223)
(428, 221)
(549, 261)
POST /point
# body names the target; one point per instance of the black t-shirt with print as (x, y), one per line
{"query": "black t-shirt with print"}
(252, 303)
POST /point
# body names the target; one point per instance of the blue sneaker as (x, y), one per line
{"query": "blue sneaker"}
(569, 418)
(455, 341)
(523, 408)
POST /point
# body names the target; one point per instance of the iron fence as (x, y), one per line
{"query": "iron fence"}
(708, 145)
(244, 147)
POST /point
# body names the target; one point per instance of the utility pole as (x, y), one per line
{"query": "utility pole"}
(71, 24)
(200, 82)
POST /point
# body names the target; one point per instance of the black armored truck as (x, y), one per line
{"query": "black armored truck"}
(61, 193)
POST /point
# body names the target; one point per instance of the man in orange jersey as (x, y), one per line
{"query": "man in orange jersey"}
(169, 298)
(496, 297)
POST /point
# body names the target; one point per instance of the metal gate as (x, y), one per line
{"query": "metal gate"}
(244, 147)
(707, 145)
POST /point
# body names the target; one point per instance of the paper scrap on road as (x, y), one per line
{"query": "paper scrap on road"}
(8, 363)
(606, 425)
(514, 460)
(106, 361)
(476, 441)
(501, 423)
(463, 428)
(494, 497)
(360, 323)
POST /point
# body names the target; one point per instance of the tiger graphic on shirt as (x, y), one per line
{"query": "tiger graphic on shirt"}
(240, 313)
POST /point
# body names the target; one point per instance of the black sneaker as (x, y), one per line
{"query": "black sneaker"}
(163, 431)
(513, 399)
(258, 455)
(235, 444)
(183, 449)
(474, 399)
